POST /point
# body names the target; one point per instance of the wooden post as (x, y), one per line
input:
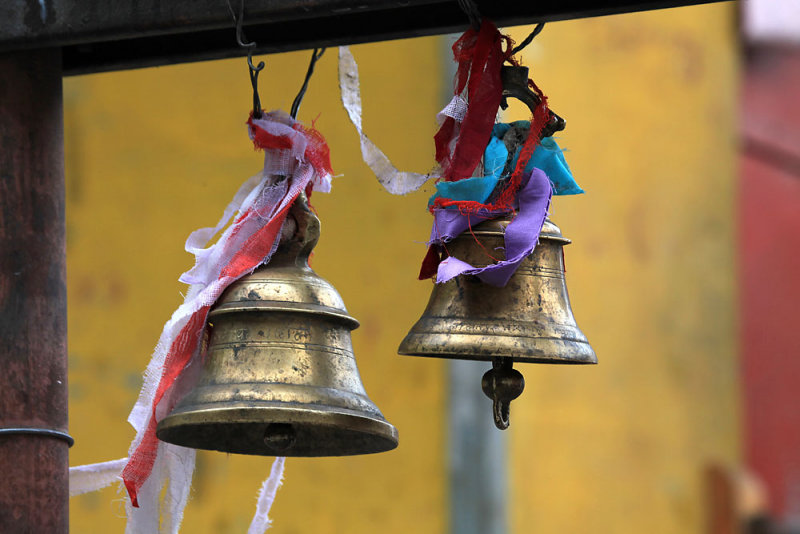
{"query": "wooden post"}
(34, 493)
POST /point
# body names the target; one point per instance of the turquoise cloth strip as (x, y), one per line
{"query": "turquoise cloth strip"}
(478, 188)
(548, 157)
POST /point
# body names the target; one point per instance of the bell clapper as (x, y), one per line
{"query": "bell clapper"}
(502, 384)
(280, 437)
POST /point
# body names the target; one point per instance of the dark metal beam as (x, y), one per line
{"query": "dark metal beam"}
(33, 297)
(120, 34)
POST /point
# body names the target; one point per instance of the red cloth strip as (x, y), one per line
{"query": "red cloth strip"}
(250, 255)
(479, 60)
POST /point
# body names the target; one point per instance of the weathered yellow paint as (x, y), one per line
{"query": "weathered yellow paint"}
(152, 155)
(621, 447)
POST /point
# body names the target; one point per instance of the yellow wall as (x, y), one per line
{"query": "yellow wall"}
(621, 447)
(648, 98)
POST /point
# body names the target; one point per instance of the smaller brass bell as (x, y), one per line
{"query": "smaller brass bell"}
(279, 376)
(527, 320)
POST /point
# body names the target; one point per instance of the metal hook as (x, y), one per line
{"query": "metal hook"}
(254, 82)
(241, 40)
(515, 84)
(501, 410)
(502, 384)
(315, 55)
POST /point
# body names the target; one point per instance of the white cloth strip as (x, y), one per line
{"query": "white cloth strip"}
(261, 521)
(456, 108)
(94, 477)
(394, 181)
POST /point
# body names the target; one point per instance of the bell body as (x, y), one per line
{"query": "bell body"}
(279, 375)
(528, 320)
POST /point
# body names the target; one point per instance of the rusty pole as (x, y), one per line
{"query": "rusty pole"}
(34, 493)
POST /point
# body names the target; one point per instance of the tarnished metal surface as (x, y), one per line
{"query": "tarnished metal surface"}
(118, 34)
(502, 384)
(280, 377)
(33, 300)
(515, 84)
(528, 320)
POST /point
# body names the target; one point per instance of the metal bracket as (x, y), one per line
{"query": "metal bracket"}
(48, 432)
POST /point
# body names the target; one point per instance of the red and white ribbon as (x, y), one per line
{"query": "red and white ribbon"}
(157, 475)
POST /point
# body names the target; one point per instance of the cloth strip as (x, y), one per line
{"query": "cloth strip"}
(94, 477)
(460, 143)
(261, 521)
(394, 181)
(521, 235)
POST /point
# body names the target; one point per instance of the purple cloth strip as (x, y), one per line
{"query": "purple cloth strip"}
(449, 223)
(520, 237)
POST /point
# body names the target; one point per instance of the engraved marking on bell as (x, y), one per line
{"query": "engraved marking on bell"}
(280, 437)
(297, 333)
(288, 345)
(530, 269)
(540, 271)
(487, 328)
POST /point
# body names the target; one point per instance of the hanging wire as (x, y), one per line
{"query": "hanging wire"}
(241, 40)
(315, 55)
(536, 31)
(471, 9)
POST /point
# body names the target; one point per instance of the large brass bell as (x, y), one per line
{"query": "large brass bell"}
(528, 320)
(279, 376)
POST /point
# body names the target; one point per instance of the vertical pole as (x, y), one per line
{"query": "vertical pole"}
(478, 455)
(34, 493)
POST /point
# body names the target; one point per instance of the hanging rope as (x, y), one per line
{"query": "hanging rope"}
(536, 31)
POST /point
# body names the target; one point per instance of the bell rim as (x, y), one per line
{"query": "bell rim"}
(486, 358)
(440, 345)
(272, 307)
(380, 435)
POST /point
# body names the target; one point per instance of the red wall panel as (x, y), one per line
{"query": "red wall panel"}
(770, 273)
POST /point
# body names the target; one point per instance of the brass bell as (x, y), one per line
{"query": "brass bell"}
(528, 320)
(279, 376)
